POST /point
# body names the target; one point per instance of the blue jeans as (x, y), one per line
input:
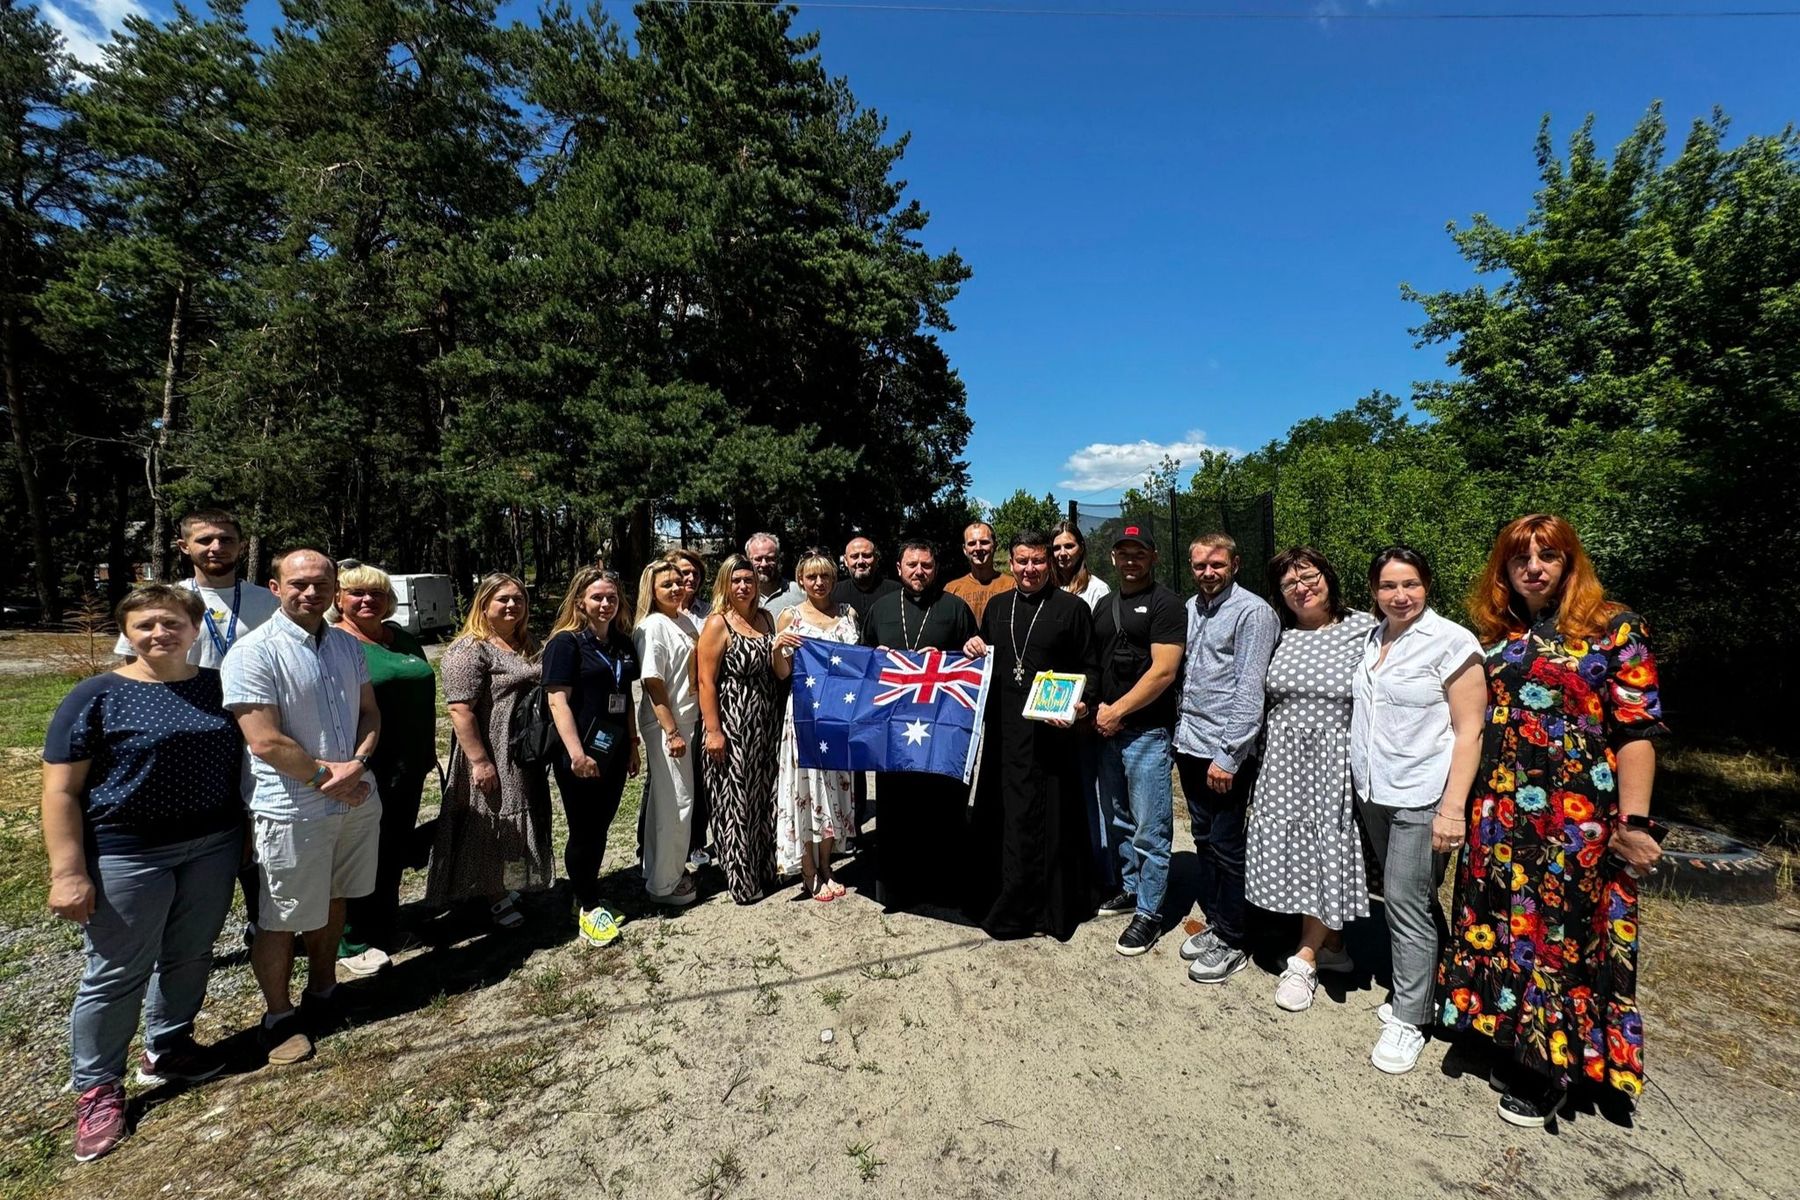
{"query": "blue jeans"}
(156, 915)
(1101, 851)
(1135, 786)
(1219, 835)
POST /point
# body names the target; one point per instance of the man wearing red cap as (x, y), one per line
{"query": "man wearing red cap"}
(1141, 629)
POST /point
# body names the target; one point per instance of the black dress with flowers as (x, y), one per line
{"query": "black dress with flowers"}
(1543, 956)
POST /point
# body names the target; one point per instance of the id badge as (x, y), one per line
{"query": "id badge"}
(601, 741)
(615, 703)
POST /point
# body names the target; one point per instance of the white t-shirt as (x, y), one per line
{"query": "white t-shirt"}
(1096, 590)
(665, 650)
(219, 630)
(1400, 735)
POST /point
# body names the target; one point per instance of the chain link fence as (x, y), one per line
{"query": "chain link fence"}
(1177, 520)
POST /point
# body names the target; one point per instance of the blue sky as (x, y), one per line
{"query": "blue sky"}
(1193, 232)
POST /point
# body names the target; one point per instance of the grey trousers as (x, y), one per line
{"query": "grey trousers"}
(1411, 873)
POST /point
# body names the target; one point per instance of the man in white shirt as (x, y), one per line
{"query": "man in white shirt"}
(213, 543)
(300, 691)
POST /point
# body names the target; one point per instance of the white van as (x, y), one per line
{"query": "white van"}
(423, 604)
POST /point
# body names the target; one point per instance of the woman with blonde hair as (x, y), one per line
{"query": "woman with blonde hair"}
(739, 711)
(815, 810)
(406, 694)
(1543, 952)
(668, 712)
(589, 667)
(493, 833)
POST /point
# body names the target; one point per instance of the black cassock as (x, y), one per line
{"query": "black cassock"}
(1031, 870)
(921, 817)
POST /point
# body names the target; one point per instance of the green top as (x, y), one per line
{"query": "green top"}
(406, 694)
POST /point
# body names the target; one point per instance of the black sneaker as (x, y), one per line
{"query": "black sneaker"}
(1139, 936)
(1531, 1108)
(1119, 905)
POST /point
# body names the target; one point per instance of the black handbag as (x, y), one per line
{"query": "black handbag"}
(531, 736)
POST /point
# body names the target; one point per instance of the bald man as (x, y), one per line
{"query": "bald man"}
(301, 694)
(863, 583)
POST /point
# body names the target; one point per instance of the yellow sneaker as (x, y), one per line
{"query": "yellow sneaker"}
(598, 927)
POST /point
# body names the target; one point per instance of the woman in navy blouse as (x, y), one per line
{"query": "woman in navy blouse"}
(144, 828)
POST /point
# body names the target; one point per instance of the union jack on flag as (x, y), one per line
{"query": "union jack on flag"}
(919, 676)
(858, 709)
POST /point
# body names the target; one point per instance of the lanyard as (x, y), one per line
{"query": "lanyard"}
(617, 668)
(223, 644)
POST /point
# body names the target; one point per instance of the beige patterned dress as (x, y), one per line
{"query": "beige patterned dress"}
(485, 844)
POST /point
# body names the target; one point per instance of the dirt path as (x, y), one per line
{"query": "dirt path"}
(687, 1060)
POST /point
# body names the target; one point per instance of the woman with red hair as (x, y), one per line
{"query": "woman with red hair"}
(1543, 955)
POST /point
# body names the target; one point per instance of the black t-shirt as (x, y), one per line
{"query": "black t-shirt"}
(164, 759)
(1152, 617)
(594, 673)
(847, 592)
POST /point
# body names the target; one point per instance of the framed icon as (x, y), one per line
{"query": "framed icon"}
(1053, 696)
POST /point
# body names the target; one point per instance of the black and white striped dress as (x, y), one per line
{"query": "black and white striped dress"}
(743, 786)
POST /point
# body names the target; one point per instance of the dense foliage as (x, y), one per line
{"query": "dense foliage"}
(1634, 364)
(453, 295)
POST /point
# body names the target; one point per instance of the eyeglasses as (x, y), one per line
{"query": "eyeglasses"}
(1311, 579)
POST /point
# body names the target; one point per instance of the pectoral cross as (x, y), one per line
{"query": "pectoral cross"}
(1018, 672)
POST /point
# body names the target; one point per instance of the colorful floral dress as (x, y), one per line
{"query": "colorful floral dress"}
(1543, 955)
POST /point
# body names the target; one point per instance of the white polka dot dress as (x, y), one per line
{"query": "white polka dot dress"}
(1304, 851)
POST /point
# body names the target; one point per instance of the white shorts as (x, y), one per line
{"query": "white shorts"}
(305, 865)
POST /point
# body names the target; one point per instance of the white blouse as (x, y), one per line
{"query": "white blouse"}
(1097, 589)
(1400, 735)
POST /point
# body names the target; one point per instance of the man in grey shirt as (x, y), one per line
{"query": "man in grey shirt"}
(1231, 636)
(773, 593)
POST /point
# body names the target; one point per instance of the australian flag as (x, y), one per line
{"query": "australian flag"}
(857, 709)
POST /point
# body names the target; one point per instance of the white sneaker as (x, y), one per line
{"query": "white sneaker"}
(1397, 1050)
(1294, 990)
(1335, 960)
(1196, 945)
(367, 963)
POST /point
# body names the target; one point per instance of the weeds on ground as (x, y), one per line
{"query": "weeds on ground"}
(867, 1165)
(721, 1175)
(833, 996)
(887, 970)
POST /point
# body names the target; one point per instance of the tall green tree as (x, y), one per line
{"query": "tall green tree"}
(719, 309)
(1022, 511)
(169, 110)
(1636, 366)
(395, 152)
(44, 188)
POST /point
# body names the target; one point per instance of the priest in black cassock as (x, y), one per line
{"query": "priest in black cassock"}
(1030, 869)
(922, 818)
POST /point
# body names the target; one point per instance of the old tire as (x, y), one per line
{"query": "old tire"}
(1708, 865)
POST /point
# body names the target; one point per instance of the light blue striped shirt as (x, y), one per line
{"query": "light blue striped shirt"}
(316, 684)
(1229, 643)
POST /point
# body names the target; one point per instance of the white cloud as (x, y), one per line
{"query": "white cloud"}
(1104, 465)
(87, 25)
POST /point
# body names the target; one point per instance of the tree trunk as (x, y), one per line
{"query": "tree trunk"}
(159, 512)
(119, 572)
(43, 565)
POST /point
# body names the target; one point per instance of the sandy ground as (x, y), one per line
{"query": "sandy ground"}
(688, 1060)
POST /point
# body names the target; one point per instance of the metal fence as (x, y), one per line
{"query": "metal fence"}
(1176, 521)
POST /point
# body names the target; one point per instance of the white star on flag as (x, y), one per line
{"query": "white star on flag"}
(823, 747)
(815, 703)
(849, 697)
(916, 733)
(837, 660)
(811, 682)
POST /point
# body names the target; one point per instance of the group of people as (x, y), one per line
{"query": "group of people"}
(283, 737)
